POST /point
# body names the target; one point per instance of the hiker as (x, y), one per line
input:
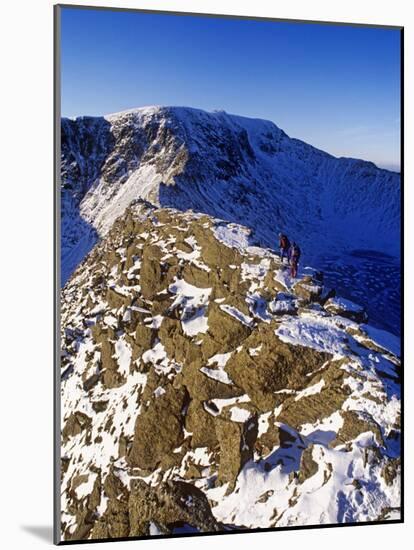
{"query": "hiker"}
(284, 245)
(294, 256)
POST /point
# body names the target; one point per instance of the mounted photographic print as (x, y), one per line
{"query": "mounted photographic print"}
(228, 274)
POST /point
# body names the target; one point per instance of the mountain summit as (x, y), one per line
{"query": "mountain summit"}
(239, 169)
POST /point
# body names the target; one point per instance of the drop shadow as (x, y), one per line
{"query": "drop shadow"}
(42, 532)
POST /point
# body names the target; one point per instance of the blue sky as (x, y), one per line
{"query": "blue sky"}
(335, 87)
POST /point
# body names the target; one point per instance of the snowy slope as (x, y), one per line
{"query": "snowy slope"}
(240, 169)
(203, 389)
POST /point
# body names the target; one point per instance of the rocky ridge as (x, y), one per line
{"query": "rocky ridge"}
(204, 390)
(240, 169)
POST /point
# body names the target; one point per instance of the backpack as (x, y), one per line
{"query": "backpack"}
(295, 253)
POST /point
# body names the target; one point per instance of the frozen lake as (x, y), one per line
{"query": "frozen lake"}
(369, 278)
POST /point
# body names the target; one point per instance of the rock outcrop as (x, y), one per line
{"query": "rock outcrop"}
(202, 388)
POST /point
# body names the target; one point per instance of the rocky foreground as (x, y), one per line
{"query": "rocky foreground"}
(204, 390)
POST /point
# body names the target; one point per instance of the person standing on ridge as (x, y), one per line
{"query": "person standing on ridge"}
(294, 256)
(284, 245)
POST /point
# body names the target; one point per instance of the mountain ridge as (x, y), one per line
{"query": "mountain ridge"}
(204, 390)
(240, 169)
(166, 107)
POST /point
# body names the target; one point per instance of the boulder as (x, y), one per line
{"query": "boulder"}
(346, 308)
(276, 366)
(144, 339)
(391, 469)
(201, 425)
(308, 289)
(197, 277)
(169, 504)
(90, 382)
(176, 344)
(354, 424)
(284, 304)
(313, 408)
(114, 523)
(226, 329)
(308, 466)
(116, 300)
(76, 423)
(202, 387)
(213, 252)
(111, 377)
(158, 428)
(150, 273)
(236, 440)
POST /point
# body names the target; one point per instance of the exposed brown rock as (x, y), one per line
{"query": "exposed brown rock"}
(197, 277)
(308, 289)
(277, 366)
(111, 377)
(226, 329)
(236, 441)
(201, 387)
(308, 467)
(150, 273)
(355, 313)
(201, 424)
(76, 423)
(158, 429)
(115, 299)
(390, 470)
(169, 504)
(353, 426)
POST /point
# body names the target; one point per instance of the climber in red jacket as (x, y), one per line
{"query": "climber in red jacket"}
(284, 245)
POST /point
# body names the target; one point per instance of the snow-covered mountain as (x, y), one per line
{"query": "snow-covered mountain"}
(204, 390)
(239, 169)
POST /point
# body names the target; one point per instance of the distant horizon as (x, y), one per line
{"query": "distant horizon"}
(333, 86)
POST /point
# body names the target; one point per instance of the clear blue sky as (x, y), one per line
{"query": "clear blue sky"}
(335, 87)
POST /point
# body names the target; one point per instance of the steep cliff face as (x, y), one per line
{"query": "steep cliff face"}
(205, 390)
(242, 170)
